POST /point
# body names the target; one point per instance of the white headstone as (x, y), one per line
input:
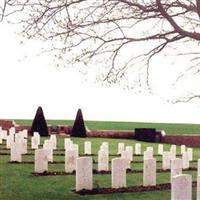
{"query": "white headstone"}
(198, 167)
(84, 174)
(183, 148)
(1, 139)
(12, 135)
(127, 156)
(138, 149)
(147, 155)
(118, 172)
(160, 149)
(54, 141)
(10, 139)
(4, 134)
(181, 187)
(149, 172)
(48, 145)
(121, 147)
(24, 146)
(16, 152)
(19, 137)
(41, 160)
(75, 147)
(190, 153)
(185, 160)
(166, 158)
(173, 151)
(176, 167)
(105, 146)
(68, 143)
(87, 148)
(70, 160)
(34, 143)
(150, 149)
(12, 130)
(198, 187)
(37, 135)
(130, 150)
(24, 133)
(103, 160)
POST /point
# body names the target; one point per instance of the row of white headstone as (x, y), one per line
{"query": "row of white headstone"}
(181, 183)
(118, 166)
(16, 142)
(35, 141)
(19, 147)
(11, 136)
(167, 156)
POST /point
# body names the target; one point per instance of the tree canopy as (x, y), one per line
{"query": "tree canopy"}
(112, 32)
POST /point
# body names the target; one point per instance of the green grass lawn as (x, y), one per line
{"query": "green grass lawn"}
(17, 182)
(122, 126)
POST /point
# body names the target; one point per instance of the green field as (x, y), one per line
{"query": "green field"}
(123, 126)
(17, 182)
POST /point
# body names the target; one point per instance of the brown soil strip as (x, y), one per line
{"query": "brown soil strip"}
(129, 171)
(45, 173)
(62, 154)
(159, 187)
(94, 161)
(32, 162)
(4, 154)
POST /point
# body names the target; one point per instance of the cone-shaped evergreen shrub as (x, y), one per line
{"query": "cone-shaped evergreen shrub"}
(78, 129)
(39, 123)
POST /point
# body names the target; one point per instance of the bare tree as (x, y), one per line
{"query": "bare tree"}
(3, 4)
(123, 35)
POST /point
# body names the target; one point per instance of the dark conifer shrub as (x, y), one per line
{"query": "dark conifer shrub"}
(78, 129)
(39, 123)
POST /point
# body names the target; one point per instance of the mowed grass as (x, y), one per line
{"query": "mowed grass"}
(17, 182)
(127, 126)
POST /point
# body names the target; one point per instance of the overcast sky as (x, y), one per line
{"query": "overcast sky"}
(28, 80)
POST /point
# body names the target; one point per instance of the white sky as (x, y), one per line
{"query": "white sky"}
(28, 81)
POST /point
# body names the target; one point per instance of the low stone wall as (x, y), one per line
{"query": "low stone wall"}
(111, 134)
(188, 140)
(6, 124)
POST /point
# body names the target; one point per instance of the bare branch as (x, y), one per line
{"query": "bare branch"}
(111, 32)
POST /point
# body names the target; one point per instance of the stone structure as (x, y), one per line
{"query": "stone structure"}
(147, 155)
(70, 161)
(166, 158)
(118, 174)
(16, 152)
(41, 160)
(181, 187)
(121, 147)
(160, 149)
(176, 167)
(87, 148)
(138, 150)
(185, 160)
(103, 160)
(84, 174)
(149, 172)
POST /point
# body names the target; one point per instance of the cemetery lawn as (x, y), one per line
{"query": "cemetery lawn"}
(126, 126)
(17, 182)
